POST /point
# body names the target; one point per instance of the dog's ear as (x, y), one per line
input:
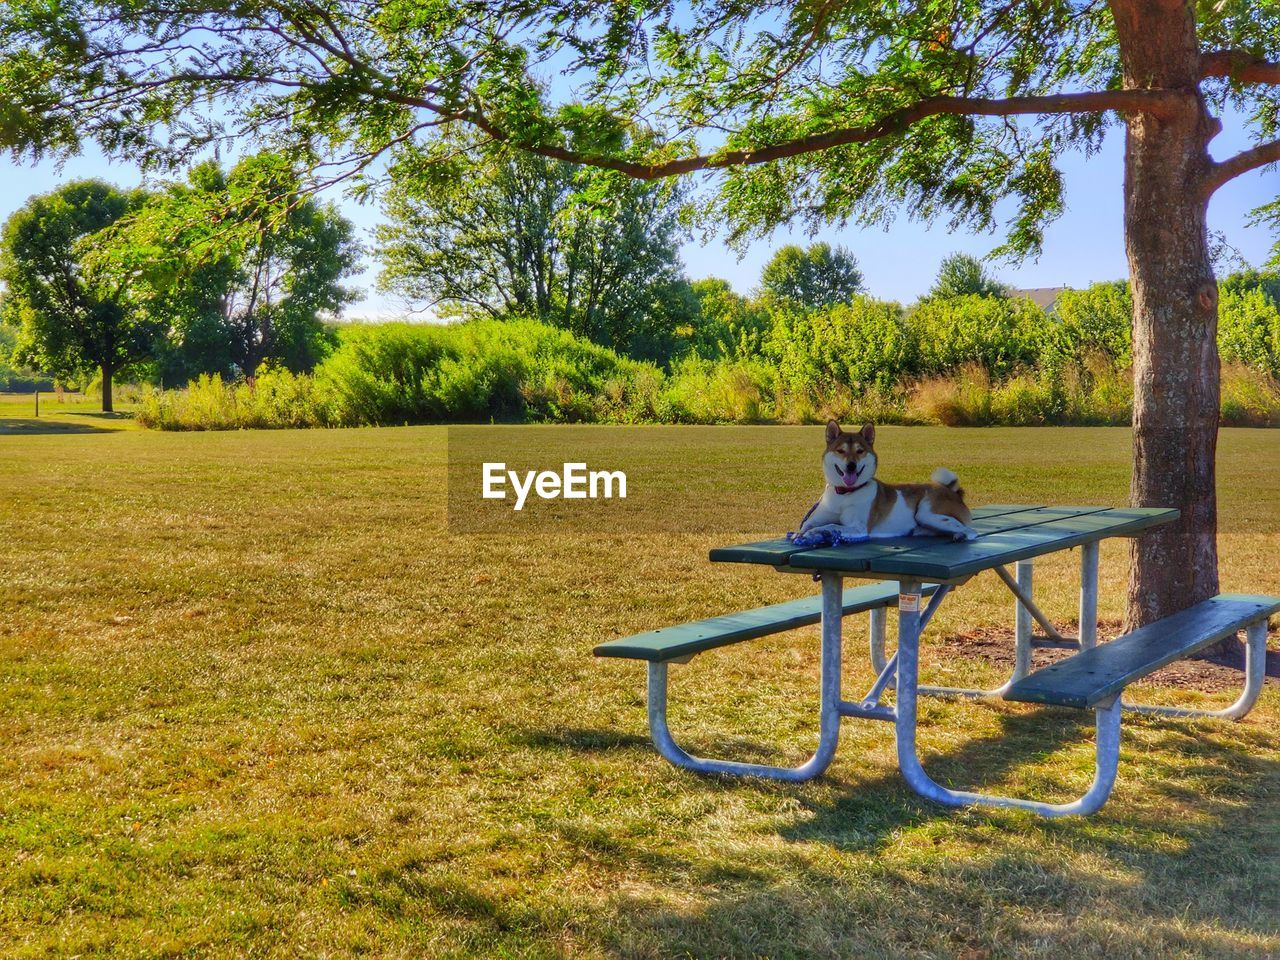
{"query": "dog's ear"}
(833, 430)
(869, 433)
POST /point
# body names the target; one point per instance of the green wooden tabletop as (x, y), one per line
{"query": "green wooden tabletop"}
(1006, 533)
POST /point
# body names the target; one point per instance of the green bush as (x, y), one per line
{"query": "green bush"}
(1097, 320)
(1001, 335)
(860, 345)
(520, 371)
(728, 324)
(725, 391)
(1093, 393)
(276, 398)
(482, 370)
(1249, 329)
(19, 380)
(1250, 397)
(984, 361)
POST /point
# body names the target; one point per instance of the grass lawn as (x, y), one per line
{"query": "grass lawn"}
(74, 413)
(255, 700)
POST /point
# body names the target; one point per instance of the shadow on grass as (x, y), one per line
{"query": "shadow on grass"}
(579, 739)
(33, 427)
(857, 874)
(1235, 659)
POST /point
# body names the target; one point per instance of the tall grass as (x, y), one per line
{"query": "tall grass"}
(275, 398)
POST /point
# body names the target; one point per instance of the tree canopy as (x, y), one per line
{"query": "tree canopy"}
(815, 277)
(239, 267)
(520, 235)
(816, 111)
(71, 316)
(961, 275)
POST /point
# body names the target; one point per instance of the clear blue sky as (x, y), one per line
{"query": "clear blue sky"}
(1085, 245)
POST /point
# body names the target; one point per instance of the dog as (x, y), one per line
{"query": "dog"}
(854, 503)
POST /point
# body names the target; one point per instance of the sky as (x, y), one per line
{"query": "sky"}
(1085, 245)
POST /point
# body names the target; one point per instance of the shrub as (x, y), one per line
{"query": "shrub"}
(1000, 335)
(1094, 393)
(515, 370)
(853, 362)
(1249, 329)
(962, 399)
(727, 324)
(859, 345)
(725, 391)
(1095, 321)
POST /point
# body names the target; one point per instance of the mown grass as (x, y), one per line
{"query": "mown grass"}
(255, 700)
(72, 413)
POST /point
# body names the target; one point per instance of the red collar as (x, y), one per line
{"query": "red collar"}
(843, 490)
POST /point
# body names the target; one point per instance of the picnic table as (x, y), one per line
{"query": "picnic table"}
(916, 574)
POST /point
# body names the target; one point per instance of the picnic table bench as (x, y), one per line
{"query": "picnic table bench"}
(1094, 678)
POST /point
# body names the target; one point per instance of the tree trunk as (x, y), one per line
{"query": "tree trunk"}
(1175, 314)
(107, 374)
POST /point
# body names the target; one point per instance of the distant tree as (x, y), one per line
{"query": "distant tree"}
(819, 276)
(961, 275)
(521, 235)
(239, 267)
(727, 324)
(72, 317)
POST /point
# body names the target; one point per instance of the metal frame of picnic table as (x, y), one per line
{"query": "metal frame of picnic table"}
(1024, 643)
(903, 667)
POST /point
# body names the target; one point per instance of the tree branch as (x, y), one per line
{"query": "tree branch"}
(1259, 156)
(1238, 65)
(1124, 101)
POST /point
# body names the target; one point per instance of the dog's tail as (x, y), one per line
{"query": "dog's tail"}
(948, 479)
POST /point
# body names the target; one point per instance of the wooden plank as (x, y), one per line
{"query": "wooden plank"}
(771, 552)
(687, 639)
(999, 509)
(776, 552)
(951, 560)
(873, 554)
(1094, 675)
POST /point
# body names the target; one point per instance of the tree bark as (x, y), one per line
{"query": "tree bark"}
(107, 374)
(1175, 314)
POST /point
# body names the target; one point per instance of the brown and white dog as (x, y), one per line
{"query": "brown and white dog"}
(855, 503)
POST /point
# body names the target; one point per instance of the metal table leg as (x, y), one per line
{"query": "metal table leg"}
(1255, 667)
(1107, 746)
(879, 616)
(1024, 611)
(1088, 595)
(1255, 670)
(829, 711)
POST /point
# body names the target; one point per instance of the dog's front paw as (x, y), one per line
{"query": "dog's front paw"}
(820, 529)
(967, 534)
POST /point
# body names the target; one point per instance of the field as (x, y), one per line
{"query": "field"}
(257, 700)
(74, 413)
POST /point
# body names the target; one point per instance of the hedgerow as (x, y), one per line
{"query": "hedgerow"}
(962, 360)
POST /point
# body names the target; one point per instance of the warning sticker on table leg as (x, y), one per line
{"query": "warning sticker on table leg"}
(909, 602)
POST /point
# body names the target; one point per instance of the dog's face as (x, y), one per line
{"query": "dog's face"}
(850, 458)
